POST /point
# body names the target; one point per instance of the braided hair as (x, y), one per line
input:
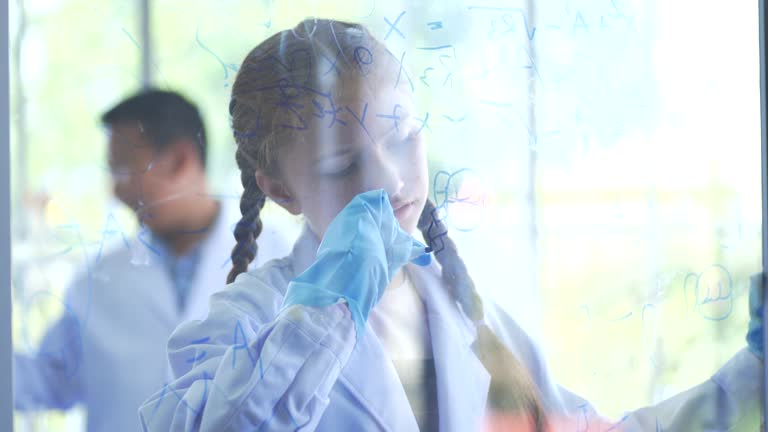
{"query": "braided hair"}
(250, 225)
(512, 390)
(267, 79)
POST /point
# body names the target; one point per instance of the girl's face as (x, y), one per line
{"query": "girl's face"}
(379, 148)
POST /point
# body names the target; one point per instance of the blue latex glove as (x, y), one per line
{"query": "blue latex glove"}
(755, 332)
(361, 251)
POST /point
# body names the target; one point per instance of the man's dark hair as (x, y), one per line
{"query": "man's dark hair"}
(163, 116)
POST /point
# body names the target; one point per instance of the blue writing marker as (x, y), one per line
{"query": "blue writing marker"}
(455, 120)
(66, 249)
(131, 38)
(400, 71)
(424, 123)
(196, 358)
(361, 119)
(443, 197)
(393, 27)
(434, 48)
(530, 31)
(394, 117)
(621, 318)
(363, 57)
(204, 398)
(619, 14)
(240, 334)
(532, 65)
(423, 77)
(224, 66)
(449, 76)
(333, 63)
(110, 231)
(617, 424)
(699, 301)
(333, 112)
(159, 401)
(583, 25)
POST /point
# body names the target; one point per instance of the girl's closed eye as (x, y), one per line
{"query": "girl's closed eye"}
(337, 166)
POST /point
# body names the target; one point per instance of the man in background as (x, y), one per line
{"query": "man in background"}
(108, 350)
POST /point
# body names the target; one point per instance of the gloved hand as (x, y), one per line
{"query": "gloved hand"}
(755, 332)
(361, 251)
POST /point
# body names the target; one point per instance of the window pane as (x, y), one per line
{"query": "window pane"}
(596, 163)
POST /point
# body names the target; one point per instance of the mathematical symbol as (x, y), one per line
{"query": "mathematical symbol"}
(435, 25)
(394, 26)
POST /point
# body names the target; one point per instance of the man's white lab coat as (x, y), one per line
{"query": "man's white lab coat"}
(108, 350)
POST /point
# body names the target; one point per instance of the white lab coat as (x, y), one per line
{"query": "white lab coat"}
(108, 350)
(249, 366)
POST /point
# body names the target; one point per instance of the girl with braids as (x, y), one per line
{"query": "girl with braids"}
(358, 329)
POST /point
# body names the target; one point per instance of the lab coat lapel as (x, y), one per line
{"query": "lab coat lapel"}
(155, 287)
(369, 376)
(211, 273)
(462, 381)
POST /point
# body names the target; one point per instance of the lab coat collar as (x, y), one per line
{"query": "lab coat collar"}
(211, 274)
(371, 378)
(368, 376)
(304, 250)
(462, 380)
(153, 270)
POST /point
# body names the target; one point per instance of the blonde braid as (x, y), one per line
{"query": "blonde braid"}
(512, 391)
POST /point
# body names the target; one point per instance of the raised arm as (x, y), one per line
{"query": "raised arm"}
(51, 378)
(264, 362)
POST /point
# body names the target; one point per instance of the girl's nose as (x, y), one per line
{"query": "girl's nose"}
(384, 173)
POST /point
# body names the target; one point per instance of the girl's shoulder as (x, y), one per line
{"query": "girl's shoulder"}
(260, 290)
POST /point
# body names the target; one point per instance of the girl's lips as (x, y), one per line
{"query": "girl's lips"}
(403, 210)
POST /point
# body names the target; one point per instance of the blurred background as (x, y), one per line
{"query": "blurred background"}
(598, 162)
